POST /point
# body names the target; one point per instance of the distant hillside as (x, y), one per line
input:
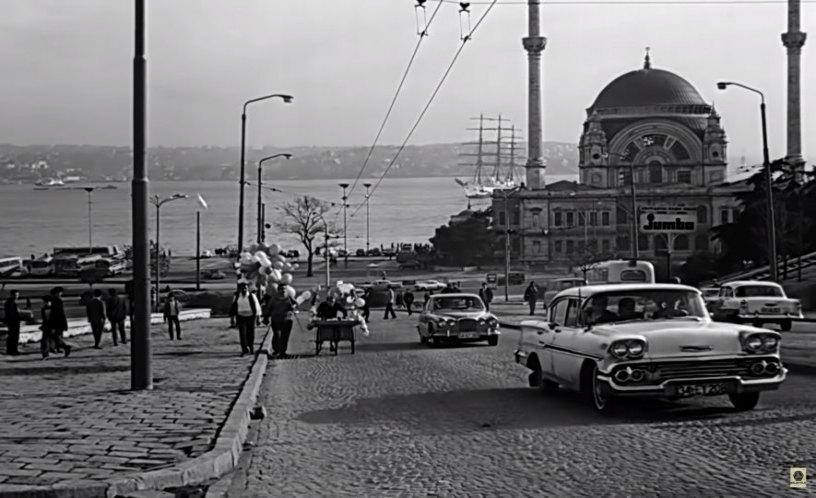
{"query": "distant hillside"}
(28, 163)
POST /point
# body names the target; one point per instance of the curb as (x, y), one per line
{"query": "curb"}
(221, 459)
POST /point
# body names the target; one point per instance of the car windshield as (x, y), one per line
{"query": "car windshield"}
(458, 304)
(758, 291)
(643, 304)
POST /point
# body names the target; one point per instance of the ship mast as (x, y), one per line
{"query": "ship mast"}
(478, 175)
(511, 171)
(497, 169)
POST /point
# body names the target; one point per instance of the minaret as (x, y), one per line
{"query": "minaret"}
(793, 41)
(534, 44)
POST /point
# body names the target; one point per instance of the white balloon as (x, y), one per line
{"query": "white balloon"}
(304, 297)
(278, 265)
(274, 249)
(290, 291)
(359, 302)
(287, 267)
(295, 266)
(286, 278)
(275, 275)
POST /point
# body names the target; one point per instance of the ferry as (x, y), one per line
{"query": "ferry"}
(50, 182)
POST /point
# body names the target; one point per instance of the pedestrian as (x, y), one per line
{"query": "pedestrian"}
(486, 293)
(13, 319)
(97, 316)
(426, 297)
(279, 313)
(47, 334)
(531, 296)
(171, 312)
(389, 304)
(58, 322)
(408, 299)
(245, 310)
(366, 310)
(117, 312)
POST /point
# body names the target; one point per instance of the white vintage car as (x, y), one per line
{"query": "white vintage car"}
(457, 317)
(650, 340)
(755, 302)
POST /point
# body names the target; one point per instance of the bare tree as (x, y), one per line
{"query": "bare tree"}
(305, 217)
(587, 258)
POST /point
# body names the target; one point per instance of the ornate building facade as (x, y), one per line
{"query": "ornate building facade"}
(649, 127)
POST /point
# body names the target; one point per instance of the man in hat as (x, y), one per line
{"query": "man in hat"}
(13, 318)
(58, 322)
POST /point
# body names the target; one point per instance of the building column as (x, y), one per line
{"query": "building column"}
(534, 44)
(793, 41)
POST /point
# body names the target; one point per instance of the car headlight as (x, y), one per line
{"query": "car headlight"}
(629, 349)
(493, 322)
(450, 322)
(759, 342)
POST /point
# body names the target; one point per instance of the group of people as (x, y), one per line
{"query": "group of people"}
(276, 310)
(54, 324)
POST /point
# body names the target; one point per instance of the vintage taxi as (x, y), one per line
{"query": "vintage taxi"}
(755, 302)
(614, 341)
(457, 317)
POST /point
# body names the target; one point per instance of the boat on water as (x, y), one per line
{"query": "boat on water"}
(49, 182)
(504, 175)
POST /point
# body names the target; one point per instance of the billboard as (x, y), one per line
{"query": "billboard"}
(668, 220)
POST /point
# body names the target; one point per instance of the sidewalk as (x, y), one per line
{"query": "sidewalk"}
(73, 423)
(798, 345)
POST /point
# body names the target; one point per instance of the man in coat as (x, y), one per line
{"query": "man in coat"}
(280, 314)
(245, 309)
(58, 322)
(117, 312)
(97, 316)
(13, 319)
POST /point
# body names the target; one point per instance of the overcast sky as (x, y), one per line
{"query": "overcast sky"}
(66, 68)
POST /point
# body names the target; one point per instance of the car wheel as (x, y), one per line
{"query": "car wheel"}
(423, 339)
(744, 401)
(537, 380)
(493, 340)
(786, 325)
(591, 389)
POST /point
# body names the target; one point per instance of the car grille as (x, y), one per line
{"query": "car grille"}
(712, 368)
(467, 325)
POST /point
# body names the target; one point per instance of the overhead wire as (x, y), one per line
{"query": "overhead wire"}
(422, 36)
(636, 2)
(466, 39)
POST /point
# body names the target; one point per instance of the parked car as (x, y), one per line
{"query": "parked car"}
(360, 253)
(429, 285)
(213, 275)
(710, 294)
(410, 265)
(342, 253)
(755, 302)
(206, 254)
(457, 317)
(374, 252)
(385, 284)
(648, 340)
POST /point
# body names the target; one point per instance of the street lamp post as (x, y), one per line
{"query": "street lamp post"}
(368, 239)
(90, 220)
(202, 203)
(287, 99)
(141, 371)
(772, 262)
(344, 186)
(158, 202)
(260, 199)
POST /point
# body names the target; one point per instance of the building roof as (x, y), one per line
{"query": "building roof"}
(648, 87)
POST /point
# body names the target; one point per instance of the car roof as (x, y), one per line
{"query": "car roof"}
(591, 290)
(569, 279)
(458, 294)
(752, 282)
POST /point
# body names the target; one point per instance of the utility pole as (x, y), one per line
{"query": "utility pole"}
(344, 186)
(90, 220)
(368, 239)
(506, 249)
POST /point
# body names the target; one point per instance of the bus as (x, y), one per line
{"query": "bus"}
(110, 252)
(12, 267)
(110, 267)
(621, 271)
(43, 267)
(67, 265)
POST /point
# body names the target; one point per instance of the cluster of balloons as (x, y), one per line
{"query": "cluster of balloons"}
(348, 295)
(265, 267)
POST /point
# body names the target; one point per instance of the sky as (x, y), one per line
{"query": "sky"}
(67, 68)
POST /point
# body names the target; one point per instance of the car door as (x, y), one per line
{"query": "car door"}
(540, 339)
(566, 359)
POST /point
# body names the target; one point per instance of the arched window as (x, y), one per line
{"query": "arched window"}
(702, 214)
(660, 242)
(701, 242)
(681, 243)
(536, 220)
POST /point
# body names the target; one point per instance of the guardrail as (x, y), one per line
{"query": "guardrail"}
(764, 272)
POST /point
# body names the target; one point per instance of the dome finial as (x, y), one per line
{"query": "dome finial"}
(647, 61)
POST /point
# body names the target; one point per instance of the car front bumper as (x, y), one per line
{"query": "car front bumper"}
(734, 384)
(480, 335)
(769, 317)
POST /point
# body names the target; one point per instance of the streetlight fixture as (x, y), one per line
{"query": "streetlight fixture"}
(368, 239)
(260, 199)
(772, 262)
(90, 220)
(344, 186)
(158, 202)
(634, 221)
(286, 99)
(203, 204)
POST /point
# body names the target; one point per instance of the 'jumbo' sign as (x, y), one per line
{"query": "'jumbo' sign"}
(668, 219)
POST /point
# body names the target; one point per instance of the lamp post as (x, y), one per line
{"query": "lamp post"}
(368, 239)
(158, 202)
(141, 371)
(287, 99)
(90, 220)
(202, 203)
(634, 221)
(766, 163)
(260, 199)
(344, 186)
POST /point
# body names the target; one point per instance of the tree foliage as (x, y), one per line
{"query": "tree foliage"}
(745, 239)
(305, 218)
(466, 243)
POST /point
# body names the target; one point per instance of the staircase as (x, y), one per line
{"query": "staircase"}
(763, 272)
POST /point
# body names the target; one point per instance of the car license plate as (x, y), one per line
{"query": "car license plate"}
(689, 390)
(770, 310)
(468, 335)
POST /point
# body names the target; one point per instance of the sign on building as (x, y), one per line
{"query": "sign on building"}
(667, 219)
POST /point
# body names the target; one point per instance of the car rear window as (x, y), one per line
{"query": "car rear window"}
(758, 291)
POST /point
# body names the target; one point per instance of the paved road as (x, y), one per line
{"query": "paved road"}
(401, 419)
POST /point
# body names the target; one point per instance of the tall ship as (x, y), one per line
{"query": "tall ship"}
(494, 159)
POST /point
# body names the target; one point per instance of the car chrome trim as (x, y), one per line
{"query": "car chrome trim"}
(653, 388)
(572, 352)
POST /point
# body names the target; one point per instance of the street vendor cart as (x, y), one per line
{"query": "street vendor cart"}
(334, 331)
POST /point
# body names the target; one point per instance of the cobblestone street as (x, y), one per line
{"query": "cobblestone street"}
(74, 422)
(404, 419)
